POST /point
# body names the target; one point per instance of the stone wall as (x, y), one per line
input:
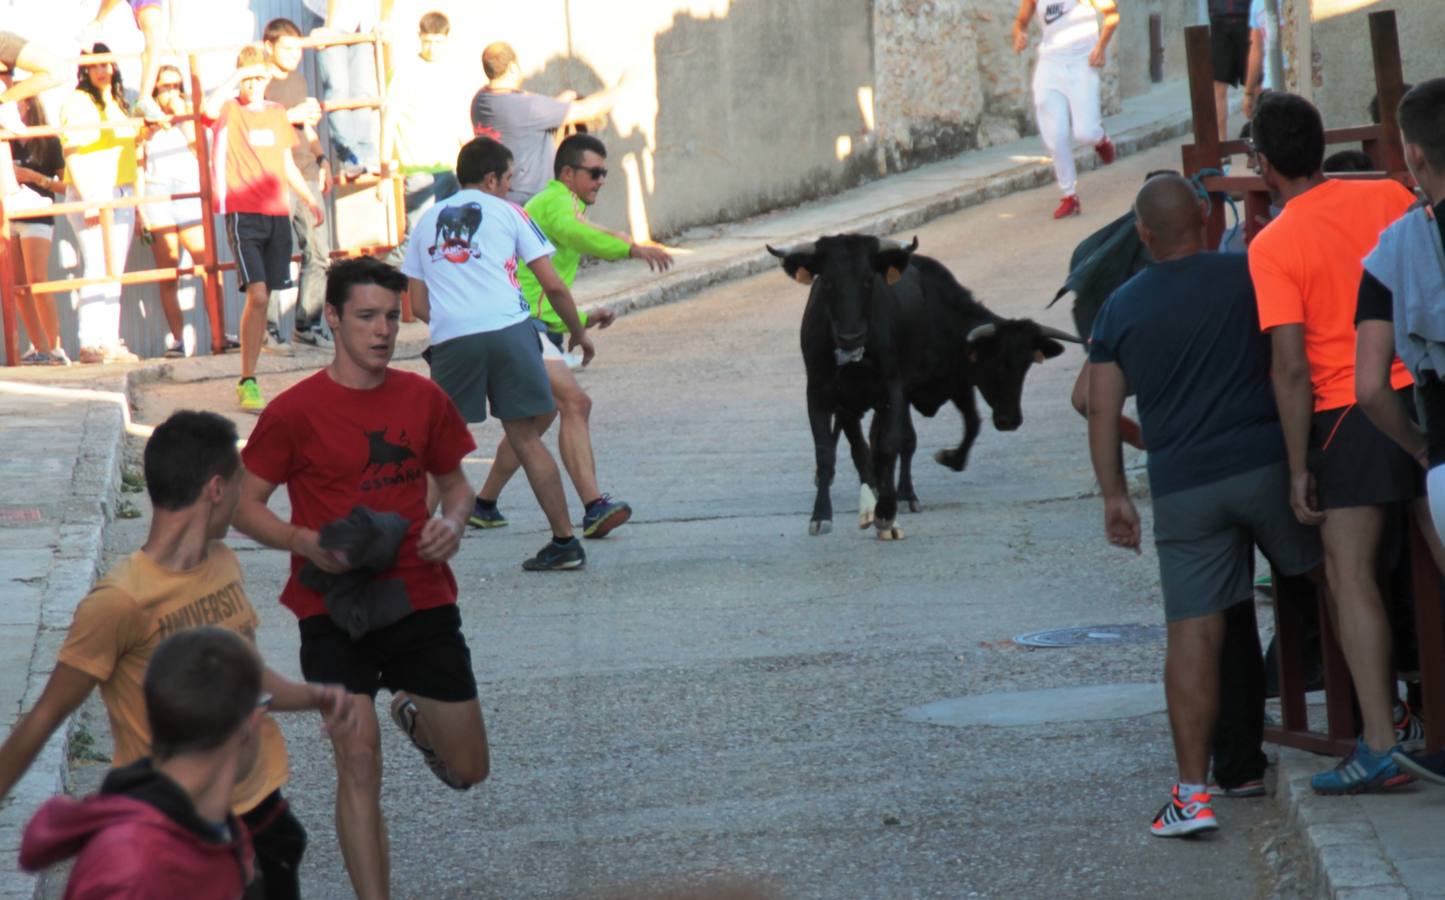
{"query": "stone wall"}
(1345, 75)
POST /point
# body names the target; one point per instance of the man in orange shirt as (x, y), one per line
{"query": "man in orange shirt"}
(1344, 473)
(183, 577)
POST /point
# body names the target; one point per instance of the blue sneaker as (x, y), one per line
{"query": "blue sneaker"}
(486, 516)
(1362, 770)
(604, 515)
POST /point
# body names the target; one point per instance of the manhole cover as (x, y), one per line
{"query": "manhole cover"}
(1093, 636)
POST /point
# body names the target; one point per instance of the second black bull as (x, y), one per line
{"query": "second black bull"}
(885, 329)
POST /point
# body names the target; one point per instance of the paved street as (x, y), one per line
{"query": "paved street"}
(721, 693)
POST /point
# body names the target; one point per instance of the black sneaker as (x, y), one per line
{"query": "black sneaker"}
(486, 516)
(603, 516)
(556, 556)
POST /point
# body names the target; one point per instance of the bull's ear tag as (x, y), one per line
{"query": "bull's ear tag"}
(803, 276)
(893, 275)
(1039, 356)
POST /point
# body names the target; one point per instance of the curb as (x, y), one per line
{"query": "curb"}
(1026, 176)
(1346, 858)
(74, 565)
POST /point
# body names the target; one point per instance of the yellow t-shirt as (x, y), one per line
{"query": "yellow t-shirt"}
(134, 607)
(106, 153)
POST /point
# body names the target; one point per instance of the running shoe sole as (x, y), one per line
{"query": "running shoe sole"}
(476, 522)
(1185, 828)
(400, 704)
(604, 526)
(1248, 789)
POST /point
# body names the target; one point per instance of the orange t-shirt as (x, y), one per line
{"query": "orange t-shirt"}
(1306, 266)
(134, 607)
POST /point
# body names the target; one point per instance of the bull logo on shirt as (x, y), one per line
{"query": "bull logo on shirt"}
(381, 452)
(456, 226)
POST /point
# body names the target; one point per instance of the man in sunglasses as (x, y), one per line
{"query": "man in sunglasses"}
(181, 578)
(560, 211)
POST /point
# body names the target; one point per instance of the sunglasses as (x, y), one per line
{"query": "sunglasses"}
(597, 172)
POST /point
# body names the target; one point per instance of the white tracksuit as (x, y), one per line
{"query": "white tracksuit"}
(1065, 85)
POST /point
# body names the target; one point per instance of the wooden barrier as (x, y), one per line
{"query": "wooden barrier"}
(209, 268)
(1382, 143)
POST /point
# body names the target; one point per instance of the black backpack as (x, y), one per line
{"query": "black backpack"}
(1101, 264)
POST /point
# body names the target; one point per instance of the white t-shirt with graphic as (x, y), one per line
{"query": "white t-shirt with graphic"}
(466, 250)
(1071, 27)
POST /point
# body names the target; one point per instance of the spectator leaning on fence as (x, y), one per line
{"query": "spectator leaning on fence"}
(39, 166)
(1345, 475)
(254, 169)
(282, 40)
(100, 166)
(171, 168)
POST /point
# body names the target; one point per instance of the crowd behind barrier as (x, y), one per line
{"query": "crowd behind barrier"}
(208, 308)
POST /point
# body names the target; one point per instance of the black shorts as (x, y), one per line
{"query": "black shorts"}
(1355, 464)
(424, 654)
(279, 841)
(261, 246)
(1229, 48)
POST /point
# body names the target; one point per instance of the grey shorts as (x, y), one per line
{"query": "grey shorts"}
(1206, 536)
(503, 367)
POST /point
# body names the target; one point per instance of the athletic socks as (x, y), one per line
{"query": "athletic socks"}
(486, 504)
(1187, 791)
(563, 542)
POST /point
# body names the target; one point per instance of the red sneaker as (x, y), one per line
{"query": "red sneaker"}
(1106, 151)
(1069, 206)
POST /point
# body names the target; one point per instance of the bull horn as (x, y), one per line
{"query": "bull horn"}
(1050, 332)
(789, 251)
(986, 330)
(888, 244)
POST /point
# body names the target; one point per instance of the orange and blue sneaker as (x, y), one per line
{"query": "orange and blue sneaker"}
(1181, 817)
(1362, 770)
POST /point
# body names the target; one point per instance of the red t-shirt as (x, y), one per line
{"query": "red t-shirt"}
(336, 448)
(251, 145)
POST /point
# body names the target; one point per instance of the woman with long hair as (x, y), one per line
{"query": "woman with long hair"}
(171, 168)
(100, 165)
(39, 164)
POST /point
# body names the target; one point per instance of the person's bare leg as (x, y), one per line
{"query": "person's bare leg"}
(167, 251)
(574, 435)
(1351, 537)
(1221, 108)
(360, 827)
(148, 20)
(36, 254)
(504, 465)
(253, 326)
(1191, 688)
(456, 733)
(29, 303)
(525, 436)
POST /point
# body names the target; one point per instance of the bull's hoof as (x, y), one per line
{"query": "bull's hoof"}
(950, 458)
(914, 506)
(887, 530)
(820, 526)
(867, 502)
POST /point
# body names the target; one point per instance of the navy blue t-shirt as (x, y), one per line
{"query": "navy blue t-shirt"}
(1186, 335)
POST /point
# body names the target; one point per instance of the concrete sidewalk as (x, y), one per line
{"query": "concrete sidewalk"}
(62, 454)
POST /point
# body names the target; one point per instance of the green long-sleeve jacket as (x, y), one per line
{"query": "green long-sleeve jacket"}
(559, 213)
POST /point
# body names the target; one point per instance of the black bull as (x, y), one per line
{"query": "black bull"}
(885, 329)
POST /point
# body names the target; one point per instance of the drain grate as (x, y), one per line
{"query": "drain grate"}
(1093, 636)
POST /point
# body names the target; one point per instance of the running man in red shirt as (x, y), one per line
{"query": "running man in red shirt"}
(359, 433)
